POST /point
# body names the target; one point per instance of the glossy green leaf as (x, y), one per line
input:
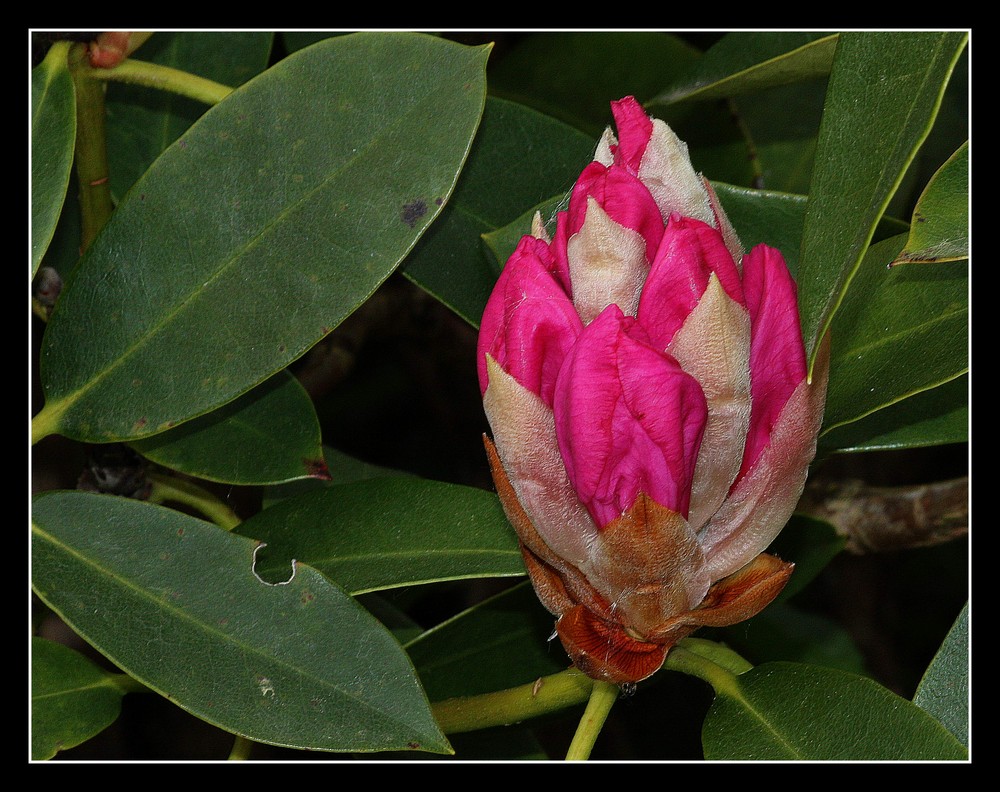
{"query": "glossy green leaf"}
(783, 711)
(175, 603)
(574, 76)
(784, 632)
(519, 158)
(900, 331)
(884, 92)
(267, 436)
(933, 417)
(497, 644)
(742, 63)
(71, 699)
(53, 136)
(142, 122)
(388, 532)
(944, 690)
(502, 242)
(342, 468)
(258, 231)
(940, 228)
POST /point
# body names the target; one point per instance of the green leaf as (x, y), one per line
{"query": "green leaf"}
(342, 468)
(900, 331)
(742, 63)
(71, 699)
(175, 603)
(519, 158)
(497, 644)
(761, 216)
(142, 123)
(944, 690)
(502, 242)
(53, 136)
(782, 711)
(940, 228)
(575, 76)
(388, 532)
(267, 436)
(884, 92)
(258, 231)
(933, 417)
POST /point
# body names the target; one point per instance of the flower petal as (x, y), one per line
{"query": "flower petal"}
(713, 346)
(777, 355)
(689, 253)
(524, 432)
(605, 651)
(529, 323)
(628, 420)
(667, 172)
(763, 499)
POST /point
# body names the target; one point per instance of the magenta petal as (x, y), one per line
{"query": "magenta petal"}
(777, 355)
(688, 254)
(623, 198)
(628, 419)
(634, 130)
(529, 323)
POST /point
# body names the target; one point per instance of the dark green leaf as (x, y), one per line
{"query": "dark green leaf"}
(900, 331)
(502, 242)
(770, 218)
(883, 95)
(53, 136)
(175, 603)
(388, 532)
(299, 39)
(575, 76)
(343, 469)
(267, 436)
(519, 158)
(940, 228)
(71, 699)
(781, 711)
(142, 122)
(502, 642)
(933, 417)
(745, 62)
(784, 632)
(258, 231)
(944, 690)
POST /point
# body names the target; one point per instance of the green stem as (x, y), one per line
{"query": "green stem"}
(164, 78)
(241, 749)
(47, 421)
(720, 654)
(602, 698)
(504, 707)
(91, 150)
(722, 680)
(166, 488)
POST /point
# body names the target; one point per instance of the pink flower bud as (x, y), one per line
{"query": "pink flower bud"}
(652, 423)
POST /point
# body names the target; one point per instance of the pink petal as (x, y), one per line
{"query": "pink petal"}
(634, 130)
(777, 355)
(689, 252)
(529, 323)
(628, 419)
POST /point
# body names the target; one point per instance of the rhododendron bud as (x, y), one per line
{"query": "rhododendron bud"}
(652, 422)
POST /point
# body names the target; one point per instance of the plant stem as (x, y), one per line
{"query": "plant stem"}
(722, 680)
(91, 150)
(168, 488)
(241, 749)
(602, 697)
(717, 653)
(164, 78)
(504, 707)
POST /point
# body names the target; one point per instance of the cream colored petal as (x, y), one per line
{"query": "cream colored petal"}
(722, 223)
(607, 264)
(603, 153)
(764, 499)
(713, 346)
(667, 172)
(649, 565)
(538, 228)
(525, 436)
